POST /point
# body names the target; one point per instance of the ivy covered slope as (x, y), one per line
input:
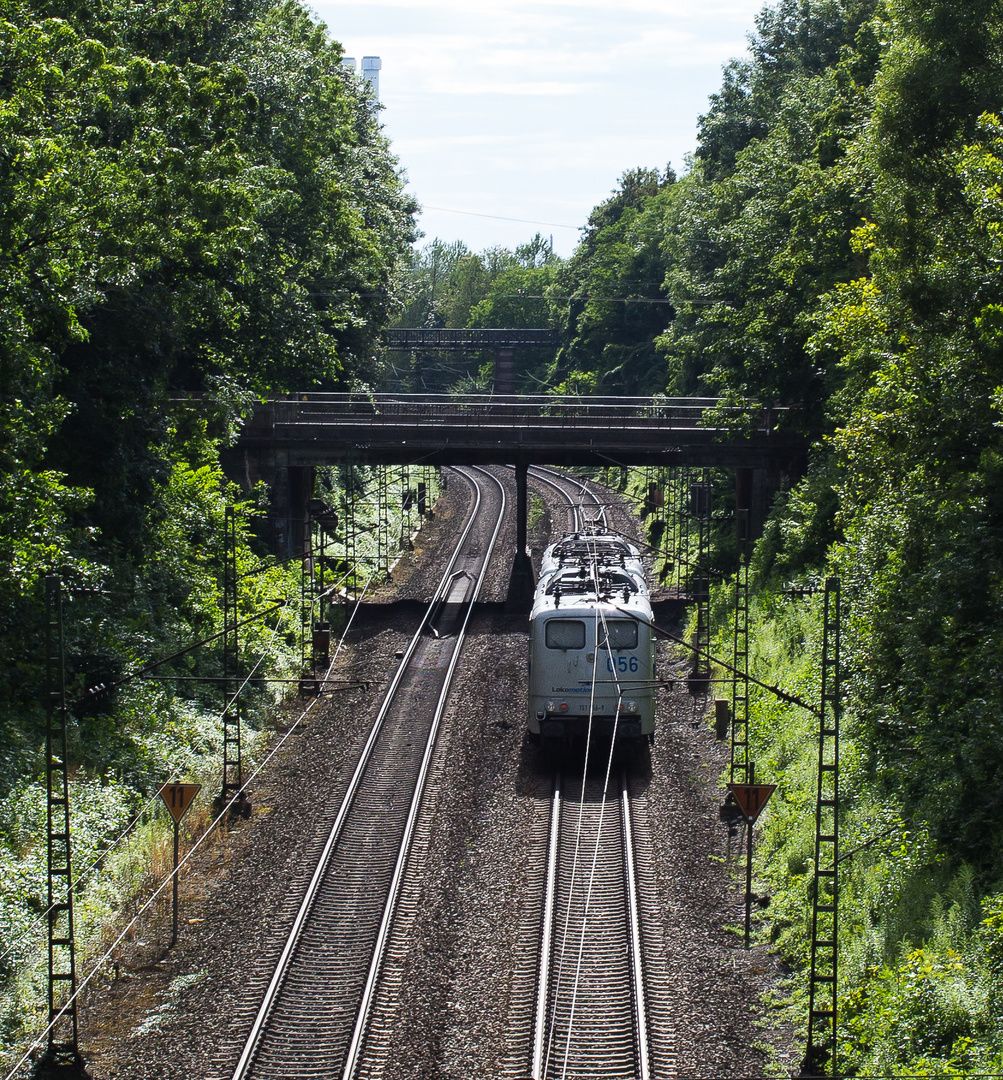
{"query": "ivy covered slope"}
(903, 357)
(836, 246)
(198, 207)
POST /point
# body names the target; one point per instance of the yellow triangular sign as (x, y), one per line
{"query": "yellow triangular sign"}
(751, 798)
(178, 797)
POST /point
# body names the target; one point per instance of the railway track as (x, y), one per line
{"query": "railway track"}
(583, 505)
(600, 1003)
(591, 1016)
(321, 1014)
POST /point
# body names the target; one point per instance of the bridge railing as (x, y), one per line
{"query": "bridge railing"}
(432, 340)
(544, 410)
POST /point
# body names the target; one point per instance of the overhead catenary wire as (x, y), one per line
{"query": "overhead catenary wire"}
(600, 615)
(82, 985)
(574, 875)
(102, 856)
(499, 217)
(791, 699)
(599, 618)
(105, 687)
(580, 514)
(553, 224)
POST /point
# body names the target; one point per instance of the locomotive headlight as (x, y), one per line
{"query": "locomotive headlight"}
(630, 706)
(551, 706)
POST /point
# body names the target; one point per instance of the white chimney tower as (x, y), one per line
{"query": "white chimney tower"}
(348, 62)
(371, 66)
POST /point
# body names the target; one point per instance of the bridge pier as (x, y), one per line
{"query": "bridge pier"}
(754, 493)
(522, 580)
(504, 381)
(290, 488)
(285, 529)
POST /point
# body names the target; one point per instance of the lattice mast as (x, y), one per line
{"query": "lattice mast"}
(351, 502)
(382, 518)
(700, 509)
(62, 1039)
(232, 767)
(740, 682)
(307, 594)
(820, 1059)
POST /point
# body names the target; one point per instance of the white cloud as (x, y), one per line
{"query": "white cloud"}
(532, 108)
(329, 10)
(464, 65)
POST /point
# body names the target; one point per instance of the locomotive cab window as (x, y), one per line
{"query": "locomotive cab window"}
(620, 634)
(565, 634)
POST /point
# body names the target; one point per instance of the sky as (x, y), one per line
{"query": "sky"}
(532, 109)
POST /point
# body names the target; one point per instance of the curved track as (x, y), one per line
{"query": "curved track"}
(315, 1016)
(577, 494)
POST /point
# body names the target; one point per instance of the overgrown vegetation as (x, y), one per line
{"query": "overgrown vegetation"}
(199, 208)
(834, 248)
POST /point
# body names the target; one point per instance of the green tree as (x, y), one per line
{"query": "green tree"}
(449, 286)
(610, 292)
(196, 200)
(763, 226)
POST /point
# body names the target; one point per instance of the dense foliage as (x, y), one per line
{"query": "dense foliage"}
(835, 246)
(198, 207)
(610, 293)
(448, 286)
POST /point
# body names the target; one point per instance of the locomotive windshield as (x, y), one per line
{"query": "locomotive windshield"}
(620, 634)
(565, 634)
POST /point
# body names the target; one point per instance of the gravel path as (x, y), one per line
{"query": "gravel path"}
(182, 1013)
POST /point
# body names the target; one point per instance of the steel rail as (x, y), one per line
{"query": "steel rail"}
(544, 475)
(636, 953)
(282, 967)
(362, 1017)
(557, 481)
(546, 943)
(548, 996)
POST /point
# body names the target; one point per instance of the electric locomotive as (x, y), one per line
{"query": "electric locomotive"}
(591, 645)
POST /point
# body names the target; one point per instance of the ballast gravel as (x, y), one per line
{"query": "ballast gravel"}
(184, 1012)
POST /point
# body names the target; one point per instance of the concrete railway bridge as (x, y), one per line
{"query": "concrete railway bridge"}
(285, 440)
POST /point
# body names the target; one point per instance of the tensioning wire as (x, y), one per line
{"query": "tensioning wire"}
(191, 851)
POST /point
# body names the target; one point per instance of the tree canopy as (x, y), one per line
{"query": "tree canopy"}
(199, 207)
(834, 247)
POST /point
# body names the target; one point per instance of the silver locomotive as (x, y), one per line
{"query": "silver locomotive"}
(591, 645)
